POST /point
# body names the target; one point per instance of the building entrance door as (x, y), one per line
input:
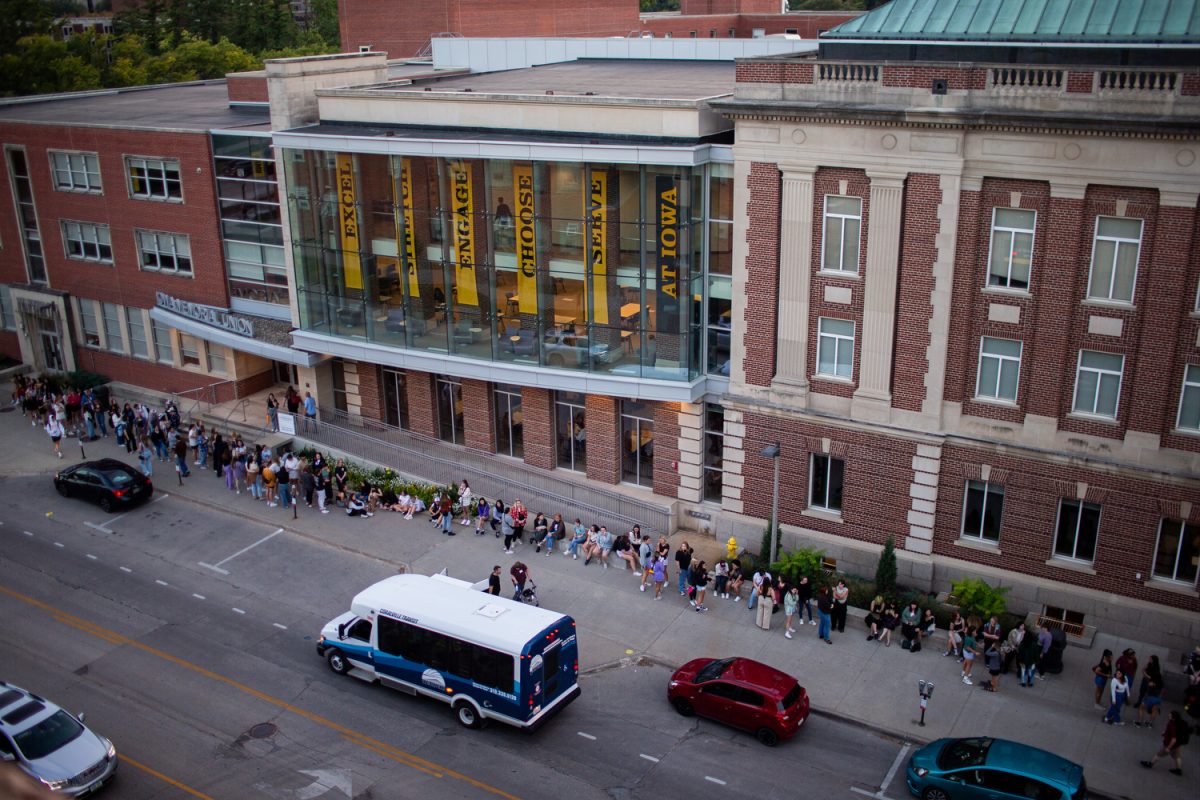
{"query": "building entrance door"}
(51, 345)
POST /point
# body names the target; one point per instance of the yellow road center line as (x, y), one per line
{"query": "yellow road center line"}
(164, 778)
(113, 637)
(393, 756)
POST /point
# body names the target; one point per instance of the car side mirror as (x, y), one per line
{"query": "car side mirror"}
(80, 716)
(342, 631)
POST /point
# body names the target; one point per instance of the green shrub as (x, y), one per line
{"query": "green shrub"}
(764, 546)
(801, 561)
(976, 597)
(862, 591)
(885, 571)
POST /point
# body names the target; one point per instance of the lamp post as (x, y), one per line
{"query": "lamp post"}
(925, 690)
(771, 451)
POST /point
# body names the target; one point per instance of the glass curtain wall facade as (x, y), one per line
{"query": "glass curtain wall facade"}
(251, 226)
(574, 266)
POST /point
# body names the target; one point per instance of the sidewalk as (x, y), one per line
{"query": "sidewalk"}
(853, 679)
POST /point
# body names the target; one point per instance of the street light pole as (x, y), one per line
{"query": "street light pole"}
(772, 452)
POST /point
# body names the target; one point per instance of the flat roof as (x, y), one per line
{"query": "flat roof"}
(199, 106)
(596, 79)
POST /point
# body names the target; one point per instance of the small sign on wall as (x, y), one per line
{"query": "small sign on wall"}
(287, 424)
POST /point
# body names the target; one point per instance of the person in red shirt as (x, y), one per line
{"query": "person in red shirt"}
(1175, 736)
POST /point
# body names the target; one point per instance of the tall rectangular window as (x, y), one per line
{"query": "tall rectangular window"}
(76, 172)
(718, 319)
(825, 482)
(395, 398)
(570, 430)
(450, 410)
(215, 355)
(1077, 530)
(162, 342)
(637, 443)
(835, 347)
(1098, 383)
(89, 326)
(840, 240)
(509, 421)
(136, 328)
(112, 327)
(164, 252)
(982, 511)
(1189, 400)
(1011, 248)
(714, 453)
(999, 368)
(1114, 259)
(87, 241)
(154, 178)
(1177, 553)
(189, 350)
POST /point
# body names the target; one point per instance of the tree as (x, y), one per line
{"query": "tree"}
(41, 65)
(22, 18)
(885, 571)
(323, 20)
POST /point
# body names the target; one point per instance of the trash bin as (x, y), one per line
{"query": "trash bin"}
(1052, 662)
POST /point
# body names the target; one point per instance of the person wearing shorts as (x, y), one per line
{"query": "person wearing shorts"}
(54, 430)
(968, 652)
(660, 574)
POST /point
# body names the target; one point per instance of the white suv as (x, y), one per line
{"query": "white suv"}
(51, 745)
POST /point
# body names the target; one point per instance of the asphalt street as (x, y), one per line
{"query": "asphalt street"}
(187, 634)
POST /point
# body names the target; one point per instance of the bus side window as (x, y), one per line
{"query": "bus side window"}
(361, 630)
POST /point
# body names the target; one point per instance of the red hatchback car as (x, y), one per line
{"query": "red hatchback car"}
(743, 693)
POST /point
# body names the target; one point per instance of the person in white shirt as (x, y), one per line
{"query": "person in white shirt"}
(54, 430)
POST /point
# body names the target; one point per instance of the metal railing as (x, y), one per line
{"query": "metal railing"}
(490, 476)
(1069, 628)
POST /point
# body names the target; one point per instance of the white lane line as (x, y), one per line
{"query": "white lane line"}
(198, 596)
(126, 569)
(648, 758)
(91, 557)
(717, 781)
(217, 566)
(238, 611)
(281, 627)
(891, 773)
(27, 533)
(160, 497)
(161, 583)
(111, 520)
(100, 528)
(59, 544)
(586, 735)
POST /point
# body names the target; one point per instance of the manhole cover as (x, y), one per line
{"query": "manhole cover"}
(263, 730)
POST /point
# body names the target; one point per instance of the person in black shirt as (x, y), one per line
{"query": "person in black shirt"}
(494, 581)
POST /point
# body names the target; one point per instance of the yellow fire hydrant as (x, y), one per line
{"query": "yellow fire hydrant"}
(731, 548)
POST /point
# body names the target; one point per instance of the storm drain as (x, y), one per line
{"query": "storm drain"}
(263, 730)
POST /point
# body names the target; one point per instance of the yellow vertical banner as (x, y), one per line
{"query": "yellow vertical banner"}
(407, 236)
(348, 222)
(464, 232)
(598, 243)
(526, 239)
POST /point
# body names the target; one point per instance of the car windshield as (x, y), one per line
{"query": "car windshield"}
(713, 671)
(964, 753)
(48, 735)
(791, 699)
(118, 477)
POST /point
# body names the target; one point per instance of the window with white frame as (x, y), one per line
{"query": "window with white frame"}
(1011, 248)
(1114, 259)
(843, 226)
(1077, 530)
(1177, 552)
(825, 478)
(999, 368)
(162, 342)
(164, 252)
(135, 326)
(89, 326)
(983, 509)
(189, 350)
(1098, 383)
(154, 178)
(87, 241)
(1189, 400)
(76, 172)
(835, 347)
(215, 354)
(114, 339)
(712, 485)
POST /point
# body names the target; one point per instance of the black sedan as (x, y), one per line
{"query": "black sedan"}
(110, 483)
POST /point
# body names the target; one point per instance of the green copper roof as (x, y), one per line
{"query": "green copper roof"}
(1043, 21)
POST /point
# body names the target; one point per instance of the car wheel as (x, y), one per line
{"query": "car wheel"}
(767, 736)
(934, 793)
(106, 504)
(63, 489)
(468, 717)
(683, 706)
(337, 662)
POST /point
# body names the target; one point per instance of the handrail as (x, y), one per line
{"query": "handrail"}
(1069, 628)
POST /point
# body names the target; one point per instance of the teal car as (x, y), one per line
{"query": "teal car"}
(992, 769)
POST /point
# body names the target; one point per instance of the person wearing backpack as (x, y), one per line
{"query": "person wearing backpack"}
(1176, 735)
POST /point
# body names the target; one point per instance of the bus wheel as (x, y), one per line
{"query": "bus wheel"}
(468, 716)
(337, 662)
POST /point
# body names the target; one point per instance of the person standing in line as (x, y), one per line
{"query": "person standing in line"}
(1150, 695)
(698, 580)
(446, 507)
(1176, 735)
(954, 634)
(146, 458)
(791, 604)
(1127, 662)
(273, 412)
(1101, 673)
(1027, 658)
(660, 574)
(994, 661)
(825, 614)
(54, 429)
(464, 502)
(969, 651)
(991, 634)
(506, 527)
(683, 562)
(322, 487)
(805, 588)
(841, 604)
(756, 582)
(308, 483)
(218, 453)
(766, 603)
(254, 477)
(1119, 693)
(494, 581)
(270, 479)
(645, 555)
(181, 455)
(1044, 639)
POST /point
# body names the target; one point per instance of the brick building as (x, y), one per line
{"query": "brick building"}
(966, 306)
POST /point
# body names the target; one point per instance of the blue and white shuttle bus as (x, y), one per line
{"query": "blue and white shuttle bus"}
(488, 657)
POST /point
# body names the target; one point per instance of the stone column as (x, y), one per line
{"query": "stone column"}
(478, 415)
(603, 416)
(873, 398)
(538, 431)
(795, 279)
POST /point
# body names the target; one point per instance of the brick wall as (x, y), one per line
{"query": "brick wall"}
(155, 376)
(666, 449)
(247, 87)
(479, 415)
(918, 251)
(1186, 349)
(370, 390)
(538, 432)
(10, 345)
(422, 406)
(762, 268)
(603, 438)
(1131, 511)
(922, 77)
